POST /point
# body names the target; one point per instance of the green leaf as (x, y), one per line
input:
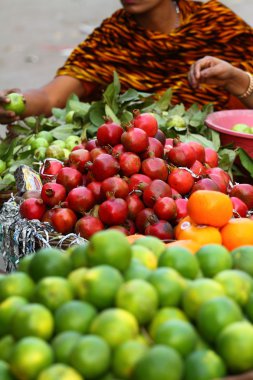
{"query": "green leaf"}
(62, 132)
(179, 110)
(97, 113)
(126, 117)
(9, 152)
(164, 103)
(226, 158)
(198, 138)
(59, 113)
(129, 96)
(21, 129)
(109, 113)
(111, 94)
(215, 136)
(77, 106)
(246, 161)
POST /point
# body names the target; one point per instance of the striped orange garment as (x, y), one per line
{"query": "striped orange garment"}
(153, 62)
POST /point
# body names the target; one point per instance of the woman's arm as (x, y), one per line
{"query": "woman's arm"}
(42, 100)
(215, 71)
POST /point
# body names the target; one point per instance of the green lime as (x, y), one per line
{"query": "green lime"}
(235, 346)
(214, 315)
(237, 284)
(63, 344)
(7, 310)
(204, 365)
(152, 243)
(5, 373)
(177, 334)
(53, 291)
(136, 270)
(169, 286)
(243, 258)
(139, 298)
(159, 363)
(180, 259)
(29, 357)
(91, 356)
(16, 284)
(213, 258)
(59, 372)
(163, 315)
(74, 315)
(115, 326)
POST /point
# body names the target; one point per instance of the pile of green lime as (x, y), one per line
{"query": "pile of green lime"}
(109, 310)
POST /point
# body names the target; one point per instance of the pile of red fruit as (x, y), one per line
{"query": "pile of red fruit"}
(133, 179)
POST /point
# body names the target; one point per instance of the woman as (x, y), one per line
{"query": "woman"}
(214, 71)
(151, 44)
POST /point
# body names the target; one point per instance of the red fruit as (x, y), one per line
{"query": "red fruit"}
(104, 166)
(117, 150)
(145, 121)
(69, 178)
(130, 227)
(91, 144)
(160, 136)
(199, 150)
(134, 205)
(32, 208)
(181, 180)
(155, 149)
(162, 230)
(155, 168)
(109, 133)
(220, 181)
(78, 159)
(47, 217)
(182, 155)
(181, 208)
(94, 153)
(157, 189)
(175, 194)
(165, 208)
(220, 172)
(64, 220)
(113, 211)
(169, 142)
(88, 225)
(135, 140)
(129, 163)
(198, 169)
(77, 147)
(240, 209)
(138, 182)
(114, 187)
(53, 193)
(144, 218)
(95, 187)
(50, 168)
(80, 199)
(244, 192)
(211, 157)
(205, 184)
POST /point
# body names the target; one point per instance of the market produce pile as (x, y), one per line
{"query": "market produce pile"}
(112, 310)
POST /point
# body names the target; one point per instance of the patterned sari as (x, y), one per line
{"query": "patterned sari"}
(153, 62)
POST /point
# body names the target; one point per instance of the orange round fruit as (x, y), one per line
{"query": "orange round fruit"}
(237, 232)
(201, 234)
(212, 208)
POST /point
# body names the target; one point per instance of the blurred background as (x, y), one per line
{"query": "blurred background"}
(37, 36)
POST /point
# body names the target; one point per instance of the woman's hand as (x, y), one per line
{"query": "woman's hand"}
(7, 117)
(211, 70)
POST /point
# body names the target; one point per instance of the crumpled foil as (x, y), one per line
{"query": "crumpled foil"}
(20, 237)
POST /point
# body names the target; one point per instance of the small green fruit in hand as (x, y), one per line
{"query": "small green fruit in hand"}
(16, 103)
(2, 166)
(243, 128)
(39, 143)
